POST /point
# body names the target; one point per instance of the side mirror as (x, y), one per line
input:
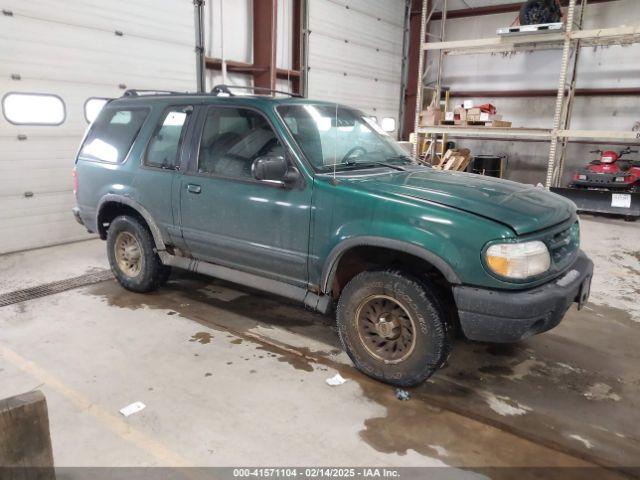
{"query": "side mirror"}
(274, 168)
(270, 168)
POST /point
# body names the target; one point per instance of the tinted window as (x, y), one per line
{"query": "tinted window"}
(112, 134)
(232, 139)
(165, 144)
(33, 109)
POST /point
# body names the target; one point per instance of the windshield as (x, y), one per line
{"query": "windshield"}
(342, 138)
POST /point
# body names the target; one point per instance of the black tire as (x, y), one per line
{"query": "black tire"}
(432, 344)
(152, 273)
(535, 12)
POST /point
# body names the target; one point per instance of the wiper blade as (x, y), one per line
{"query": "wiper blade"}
(375, 164)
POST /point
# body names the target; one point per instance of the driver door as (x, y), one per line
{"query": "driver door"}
(230, 218)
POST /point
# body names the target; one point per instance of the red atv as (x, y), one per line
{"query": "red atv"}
(610, 172)
(609, 185)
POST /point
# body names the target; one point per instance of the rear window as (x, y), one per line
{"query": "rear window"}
(112, 134)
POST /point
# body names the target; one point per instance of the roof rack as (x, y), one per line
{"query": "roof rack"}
(136, 92)
(223, 89)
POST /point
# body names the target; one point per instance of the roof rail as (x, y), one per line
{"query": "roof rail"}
(223, 89)
(133, 92)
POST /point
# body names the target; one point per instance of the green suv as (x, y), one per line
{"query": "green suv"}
(314, 202)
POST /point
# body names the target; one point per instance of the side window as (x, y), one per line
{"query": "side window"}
(232, 138)
(164, 147)
(112, 134)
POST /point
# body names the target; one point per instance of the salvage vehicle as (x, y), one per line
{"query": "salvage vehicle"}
(609, 184)
(313, 201)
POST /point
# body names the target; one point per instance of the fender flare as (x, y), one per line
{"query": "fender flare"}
(331, 264)
(144, 213)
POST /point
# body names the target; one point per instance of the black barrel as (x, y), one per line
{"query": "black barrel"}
(490, 165)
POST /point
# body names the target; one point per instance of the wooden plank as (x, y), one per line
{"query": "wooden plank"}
(596, 36)
(488, 131)
(25, 442)
(600, 134)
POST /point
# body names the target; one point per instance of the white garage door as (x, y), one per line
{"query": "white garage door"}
(75, 50)
(355, 53)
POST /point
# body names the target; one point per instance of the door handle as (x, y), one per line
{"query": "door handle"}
(193, 188)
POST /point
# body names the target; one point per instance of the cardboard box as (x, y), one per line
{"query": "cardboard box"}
(468, 104)
(449, 116)
(500, 123)
(474, 111)
(430, 116)
(459, 116)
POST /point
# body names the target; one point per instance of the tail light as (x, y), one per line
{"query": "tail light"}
(74, 174)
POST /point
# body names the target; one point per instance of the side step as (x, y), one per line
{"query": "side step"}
(602, 201)
(320, 303)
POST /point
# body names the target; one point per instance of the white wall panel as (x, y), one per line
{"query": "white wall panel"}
(70, 49)
(355, 53)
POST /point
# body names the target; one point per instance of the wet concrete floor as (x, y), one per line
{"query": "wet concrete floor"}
(231, 377)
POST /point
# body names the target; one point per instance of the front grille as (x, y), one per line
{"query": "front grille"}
(563, 245)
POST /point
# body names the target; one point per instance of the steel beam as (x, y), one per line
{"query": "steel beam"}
(265, 14)
(249, 68)
(198, 13)
(411, 90)
(491, 10)
(580, 92)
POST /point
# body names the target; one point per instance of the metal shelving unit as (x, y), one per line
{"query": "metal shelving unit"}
(571, 40)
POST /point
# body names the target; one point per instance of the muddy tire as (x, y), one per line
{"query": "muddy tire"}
(132, 256)
(392, 327)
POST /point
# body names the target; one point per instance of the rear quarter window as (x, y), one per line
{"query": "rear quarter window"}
(112, 134)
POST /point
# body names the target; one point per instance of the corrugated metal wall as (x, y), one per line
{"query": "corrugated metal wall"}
(355, 53)
(71, 49)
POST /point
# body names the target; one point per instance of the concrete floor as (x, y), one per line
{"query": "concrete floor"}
(233, 377)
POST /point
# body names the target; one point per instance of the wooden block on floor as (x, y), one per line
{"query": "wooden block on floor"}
(25, 441)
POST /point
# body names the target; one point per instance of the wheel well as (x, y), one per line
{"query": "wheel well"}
(359, 259)
(111, 210)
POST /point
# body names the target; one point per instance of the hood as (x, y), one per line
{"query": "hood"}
(524, 208)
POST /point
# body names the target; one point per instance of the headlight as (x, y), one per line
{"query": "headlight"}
(518, 260)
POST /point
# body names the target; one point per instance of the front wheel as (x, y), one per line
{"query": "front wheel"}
(132, 256)
(393, 327)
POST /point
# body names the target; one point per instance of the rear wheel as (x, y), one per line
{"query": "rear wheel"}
(392, 327)
(132, 256)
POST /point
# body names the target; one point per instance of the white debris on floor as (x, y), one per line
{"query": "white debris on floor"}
(132, 408)
(336, 380)
(504, 406)
(582, 440)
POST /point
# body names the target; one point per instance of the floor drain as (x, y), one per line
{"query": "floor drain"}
(54, 287)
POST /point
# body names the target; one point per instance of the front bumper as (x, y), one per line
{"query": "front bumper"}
(509, 316)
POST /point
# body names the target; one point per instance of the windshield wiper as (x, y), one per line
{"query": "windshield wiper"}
(375, 164)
